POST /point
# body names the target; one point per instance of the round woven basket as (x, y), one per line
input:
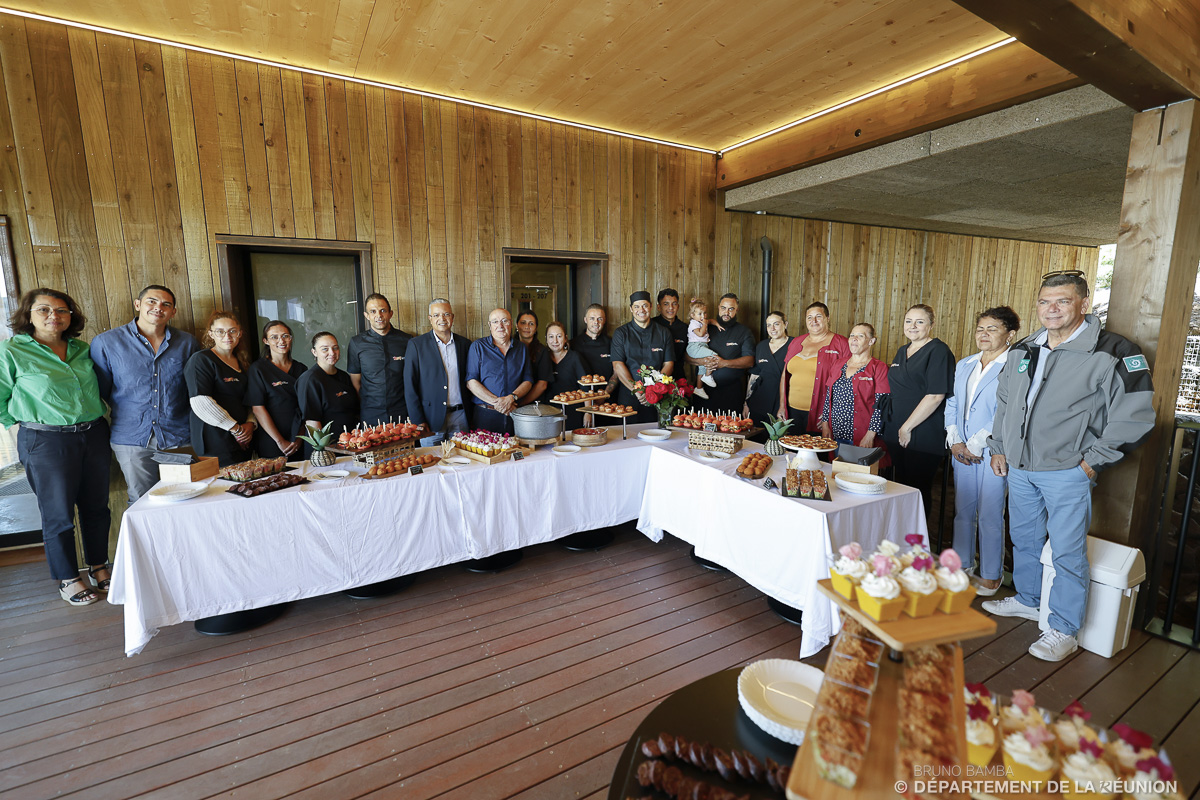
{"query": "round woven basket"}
(589, 441)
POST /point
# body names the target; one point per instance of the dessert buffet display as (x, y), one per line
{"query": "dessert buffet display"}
(484, 446)
(807, 484)
(725, 422)
(819, 444)
(364, 437)
(755, 465)
(399, 466)
(264, 485)
(612, 410)
(593, 380)
(252, 470)
(888, 583)
(577, 396)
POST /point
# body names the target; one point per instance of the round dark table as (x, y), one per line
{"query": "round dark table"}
(706, 711)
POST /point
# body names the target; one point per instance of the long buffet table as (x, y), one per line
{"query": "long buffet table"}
(220, 553)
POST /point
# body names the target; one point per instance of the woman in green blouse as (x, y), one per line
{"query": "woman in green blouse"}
(47, 384)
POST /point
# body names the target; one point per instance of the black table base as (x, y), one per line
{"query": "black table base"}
(785, 612)
(585, 541)
(238, 621)
(704, 562)
(496, 563)
(381, 589)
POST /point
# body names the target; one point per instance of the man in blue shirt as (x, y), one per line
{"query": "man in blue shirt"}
(139, 367)
(498, 374)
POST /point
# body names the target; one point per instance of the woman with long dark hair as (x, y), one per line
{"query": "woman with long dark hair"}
(48, 385)
(271, 394)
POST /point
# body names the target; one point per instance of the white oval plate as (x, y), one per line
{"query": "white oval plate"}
(654, 435)
(566, 449)
(861, 483)
(330, 475)
(711, 455)
(778, 695)
(459, 461)
(175, 492)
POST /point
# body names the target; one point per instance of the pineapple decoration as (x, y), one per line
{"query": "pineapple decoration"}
(776, 428)
(318, 440)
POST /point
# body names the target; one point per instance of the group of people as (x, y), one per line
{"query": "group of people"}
(1032, 420)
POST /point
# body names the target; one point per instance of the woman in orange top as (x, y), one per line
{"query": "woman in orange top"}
(809, 359)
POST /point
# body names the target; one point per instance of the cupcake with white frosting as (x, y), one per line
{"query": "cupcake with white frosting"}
(878, 593)
(954, 582)
(1071, 726)
(1154, 780)
(1029, 755)
(848, 570)
(1127, 747)
(1085, 774)
(982, 737)
(919, 588)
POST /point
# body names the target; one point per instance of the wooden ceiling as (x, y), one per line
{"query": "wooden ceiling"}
(707, 73)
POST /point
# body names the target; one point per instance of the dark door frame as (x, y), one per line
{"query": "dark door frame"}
(569, 257)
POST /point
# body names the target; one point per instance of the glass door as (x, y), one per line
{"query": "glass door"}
(311, 292)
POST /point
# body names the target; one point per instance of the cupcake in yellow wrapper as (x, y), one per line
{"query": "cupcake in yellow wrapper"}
(982, 738)
(1028, 756)
(848, 570)
(1085, 775)
(879, 597)
(919, 589)
(954, 583)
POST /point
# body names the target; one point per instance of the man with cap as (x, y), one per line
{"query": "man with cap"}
(668, 317)
(376, 364)
(733, 344)
(636, 344)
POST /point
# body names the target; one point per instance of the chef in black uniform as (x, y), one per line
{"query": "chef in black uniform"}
(734, 347)
(668, 317)
(376, 364)
(594, 346)
(216, 382)
(762, 392)
(636, 344)
(327, 393)
(271, 393)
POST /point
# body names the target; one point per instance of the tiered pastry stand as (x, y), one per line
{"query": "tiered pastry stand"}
(878, 778)
(587, 401)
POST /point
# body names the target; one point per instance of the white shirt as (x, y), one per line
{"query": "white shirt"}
(450, 361)
(1041, 339)
(976, 376)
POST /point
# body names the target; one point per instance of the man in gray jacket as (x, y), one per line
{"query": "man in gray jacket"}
(1072, 400)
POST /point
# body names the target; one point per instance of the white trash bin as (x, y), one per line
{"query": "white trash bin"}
(1117, 571)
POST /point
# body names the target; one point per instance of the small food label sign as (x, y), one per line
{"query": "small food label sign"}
(415, 469)
(518, 455)
(710, 427)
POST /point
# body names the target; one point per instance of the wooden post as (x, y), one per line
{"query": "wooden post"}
(1158, 250)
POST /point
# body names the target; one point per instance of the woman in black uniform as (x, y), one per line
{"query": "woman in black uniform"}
(216, 380)
(539, 358)
(921, 377)
(762, 392)
(271, 394)
(566, 369)
(325, 392)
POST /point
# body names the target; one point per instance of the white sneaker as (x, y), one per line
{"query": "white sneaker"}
(1010, 607)
(1053, 646)
(708, 379)
(699, 392)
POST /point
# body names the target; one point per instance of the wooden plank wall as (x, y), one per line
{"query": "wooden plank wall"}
(872, 274)
(120, 160)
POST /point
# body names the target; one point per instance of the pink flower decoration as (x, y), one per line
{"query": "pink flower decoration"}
(922, 564)
(1037, 736)
(978, 711)
(1092, 748)
(1075, 711)
(1023, 700)
(883, 566)
(914, 539)
(979, 689)
(852, 550)
(1156, 764)
(1134, 738)
(950, 560)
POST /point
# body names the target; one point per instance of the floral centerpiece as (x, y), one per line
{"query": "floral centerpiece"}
(663, 392)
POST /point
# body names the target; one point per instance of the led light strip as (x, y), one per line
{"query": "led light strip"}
(348, 78)
(873, 93)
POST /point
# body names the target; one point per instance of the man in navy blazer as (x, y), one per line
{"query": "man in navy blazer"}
(435, 376)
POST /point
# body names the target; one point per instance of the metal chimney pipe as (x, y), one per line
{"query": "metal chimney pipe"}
(765, 244)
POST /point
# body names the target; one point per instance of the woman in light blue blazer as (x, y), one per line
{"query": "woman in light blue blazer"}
(978, 492)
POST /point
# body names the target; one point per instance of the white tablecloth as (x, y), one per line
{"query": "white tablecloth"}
(782, 546)
(220, 553)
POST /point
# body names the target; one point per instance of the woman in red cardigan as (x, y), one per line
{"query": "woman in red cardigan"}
(854, 397)
(809, 359)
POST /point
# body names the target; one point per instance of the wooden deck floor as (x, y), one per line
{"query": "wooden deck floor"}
(524, 684)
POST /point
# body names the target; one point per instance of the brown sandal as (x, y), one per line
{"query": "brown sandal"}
(81, 598)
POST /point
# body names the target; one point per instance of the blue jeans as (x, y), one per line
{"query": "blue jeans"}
(1057, 504)
(979, 506)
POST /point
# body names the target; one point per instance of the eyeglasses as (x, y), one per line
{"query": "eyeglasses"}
(279, 337)
(223, 333)
(45, 311)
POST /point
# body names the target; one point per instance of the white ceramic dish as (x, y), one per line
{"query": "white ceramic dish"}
(654, 435)
(566, 449)
(861, 482)
(457, 461)
(710, 455)
(176, 492)
(778, 695)
(795, 449)
(330, 475)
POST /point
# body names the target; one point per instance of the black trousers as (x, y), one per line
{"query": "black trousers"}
(490, 420)
(916, 469)
(69, 471)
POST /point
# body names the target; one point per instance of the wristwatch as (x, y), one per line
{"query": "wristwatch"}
(515, 398)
